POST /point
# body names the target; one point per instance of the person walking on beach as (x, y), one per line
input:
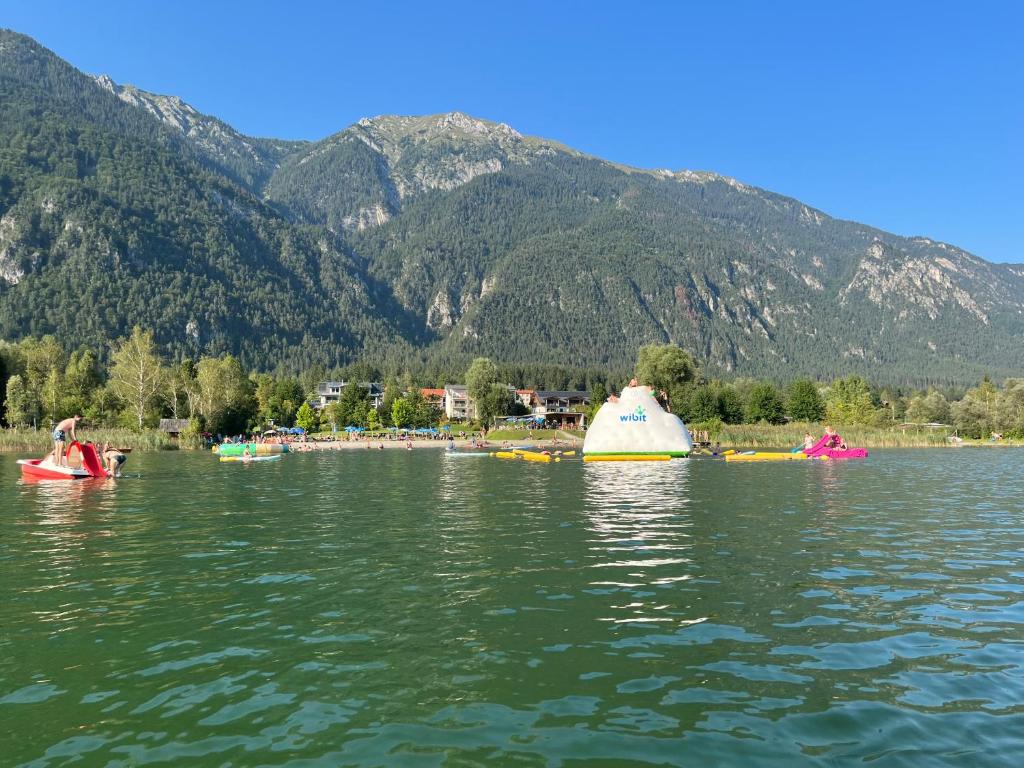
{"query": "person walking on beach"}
(60, 433)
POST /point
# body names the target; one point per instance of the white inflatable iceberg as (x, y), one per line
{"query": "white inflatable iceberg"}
(636, 424)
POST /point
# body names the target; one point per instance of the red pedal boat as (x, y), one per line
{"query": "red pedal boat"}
(45, 469)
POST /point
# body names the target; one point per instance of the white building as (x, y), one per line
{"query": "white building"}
(330, 392)
(458, 405)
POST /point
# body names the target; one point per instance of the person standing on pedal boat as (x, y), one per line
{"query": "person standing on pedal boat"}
(60, 434)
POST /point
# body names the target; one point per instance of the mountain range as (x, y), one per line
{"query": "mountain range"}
(433, 239)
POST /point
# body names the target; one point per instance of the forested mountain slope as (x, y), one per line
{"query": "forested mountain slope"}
(108, 219)
(521, 249)
(443, 237)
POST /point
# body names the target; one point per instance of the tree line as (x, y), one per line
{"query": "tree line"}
(131, 384)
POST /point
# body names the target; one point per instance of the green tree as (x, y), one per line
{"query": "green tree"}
(265, 391)
(1010, 409)
(373, 420)
(731, 405)
(804, 402)
(307, 418)
(40, 358)
(288, 396)
(765, 404)
(403, 414)
(353, 405)
(497, 401)
(329, 416)
(225, 398)
(81, 379)
(136, 374)
(482, 374)
(668, 368)
(391, 395)
(976, 414)
(424, 414)
(186, 376)
(17, 402)
(103, 406)
(598, 396)
(51, 396)
(929, 407)
(849, 402)
(703, 404)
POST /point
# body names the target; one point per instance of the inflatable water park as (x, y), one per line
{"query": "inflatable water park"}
(525, 454)
(634, 427)
(630, 427)
(829, 447)
(248, 453)
(226, 450)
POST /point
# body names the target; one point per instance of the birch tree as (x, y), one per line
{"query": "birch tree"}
(136, 374)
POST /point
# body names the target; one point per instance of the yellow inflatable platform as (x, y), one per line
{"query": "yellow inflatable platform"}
(627, 457)
(771, 456)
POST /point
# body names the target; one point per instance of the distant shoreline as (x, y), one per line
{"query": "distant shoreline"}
(743, 437)
(392, 445)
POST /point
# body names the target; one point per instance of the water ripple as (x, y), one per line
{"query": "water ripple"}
(397, 608)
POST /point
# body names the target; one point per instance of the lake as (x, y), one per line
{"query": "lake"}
(405, 608)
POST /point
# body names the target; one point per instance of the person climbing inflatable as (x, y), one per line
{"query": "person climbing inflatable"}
(833, 446)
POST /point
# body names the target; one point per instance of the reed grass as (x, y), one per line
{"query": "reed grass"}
(38, 441)
(786, 436)
(499, 435)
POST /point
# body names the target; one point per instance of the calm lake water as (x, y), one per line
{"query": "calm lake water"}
(406, 608)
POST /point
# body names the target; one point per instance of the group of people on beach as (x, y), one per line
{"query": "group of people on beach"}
(112, 458)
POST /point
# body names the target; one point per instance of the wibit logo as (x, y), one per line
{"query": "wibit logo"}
(638, 415)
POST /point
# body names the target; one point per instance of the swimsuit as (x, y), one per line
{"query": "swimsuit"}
(58, 435)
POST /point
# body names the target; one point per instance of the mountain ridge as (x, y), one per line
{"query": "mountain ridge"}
(440, 237)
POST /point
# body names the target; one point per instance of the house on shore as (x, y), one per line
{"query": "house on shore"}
(434, 397)
(173, 427)
(561, 409)
(525, 397)
(330, 392)
(458, 405)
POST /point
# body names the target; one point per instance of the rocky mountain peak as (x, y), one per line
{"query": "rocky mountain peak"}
(245, 158)
(170, 110)
(450, 126)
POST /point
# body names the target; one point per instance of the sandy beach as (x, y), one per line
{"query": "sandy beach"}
(396, 445)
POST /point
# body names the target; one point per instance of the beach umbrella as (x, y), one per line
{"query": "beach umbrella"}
(297, 431)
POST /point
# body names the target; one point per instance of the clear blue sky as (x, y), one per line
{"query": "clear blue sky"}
(907, 116)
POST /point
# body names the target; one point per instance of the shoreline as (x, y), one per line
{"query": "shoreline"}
(392, 445)
(743, 438)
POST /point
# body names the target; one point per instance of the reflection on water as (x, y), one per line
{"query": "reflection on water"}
(382, 608)
(639, 515)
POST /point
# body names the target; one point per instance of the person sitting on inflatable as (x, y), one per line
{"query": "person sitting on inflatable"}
(834, 439)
